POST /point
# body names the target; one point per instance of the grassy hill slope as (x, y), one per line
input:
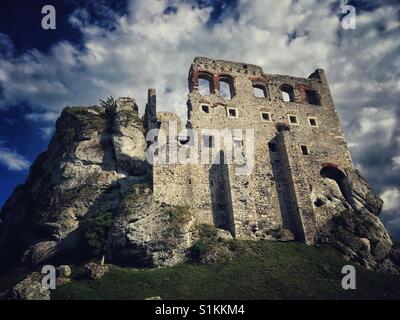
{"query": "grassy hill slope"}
(264, 270)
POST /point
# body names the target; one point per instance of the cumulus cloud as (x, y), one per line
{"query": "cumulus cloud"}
(390, 218)
(151, 45)
(391, 198)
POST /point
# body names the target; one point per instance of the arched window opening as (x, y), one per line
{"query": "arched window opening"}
(259, 90)
(226, 88)
(287, 93)
(206, 85)
(312, 97)
(339, 177)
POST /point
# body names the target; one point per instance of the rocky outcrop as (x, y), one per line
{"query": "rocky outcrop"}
(147, 233)
(95, 163)
(29, 289)
(95, 271)
(354, 228)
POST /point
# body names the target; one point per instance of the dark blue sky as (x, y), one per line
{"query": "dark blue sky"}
(21, 21)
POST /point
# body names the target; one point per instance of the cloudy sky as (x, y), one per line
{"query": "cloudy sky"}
(121, 48)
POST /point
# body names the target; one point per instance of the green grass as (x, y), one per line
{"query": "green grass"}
(269, 270)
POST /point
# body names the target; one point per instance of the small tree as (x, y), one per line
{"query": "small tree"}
(109, 103)
(95, 233)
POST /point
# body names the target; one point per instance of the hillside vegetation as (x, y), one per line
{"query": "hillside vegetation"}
(262, 270)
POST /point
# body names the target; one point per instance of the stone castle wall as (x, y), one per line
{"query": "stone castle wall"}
(283, 188)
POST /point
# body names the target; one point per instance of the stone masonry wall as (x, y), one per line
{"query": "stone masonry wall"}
(280, 191)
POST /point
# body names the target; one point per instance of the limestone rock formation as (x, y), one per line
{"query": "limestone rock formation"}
(149, 233)
(95, 271)
(29, 289)
(351, 223)
(95, 158)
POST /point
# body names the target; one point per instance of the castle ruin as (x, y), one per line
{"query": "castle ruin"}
(299, 149)
(293, 178)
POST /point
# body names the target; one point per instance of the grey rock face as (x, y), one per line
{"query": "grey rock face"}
(29, 289)
(40, 252)
(64, 271)
(147, 233)
(354, 228)
(92, 155)
(95, 271)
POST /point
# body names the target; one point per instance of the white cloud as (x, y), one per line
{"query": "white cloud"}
(12, 160)
(391, 198)
(48, 116)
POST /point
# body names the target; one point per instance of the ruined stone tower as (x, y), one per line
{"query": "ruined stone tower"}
(299, 151)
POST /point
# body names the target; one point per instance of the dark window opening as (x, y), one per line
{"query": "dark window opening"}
(293, 119)
(265, 116)
(287, 93)
(259, 90)
(232, 112)
(205, 108)
(312, 97)
(313, 122)
(272, 147)
(304, 150)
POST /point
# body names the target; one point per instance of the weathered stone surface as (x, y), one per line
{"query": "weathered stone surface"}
(353, 227)
(95, 271)
(223, 234)
(40, 252)
(149, 234)
(91, 156)
(64, 271)
(30, 289)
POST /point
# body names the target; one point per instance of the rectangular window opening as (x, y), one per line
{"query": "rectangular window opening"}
(205, 108)
(232, 112)
(293, 119)
(313, 122)
(304, 150)
(265, 116)
(312, 97)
